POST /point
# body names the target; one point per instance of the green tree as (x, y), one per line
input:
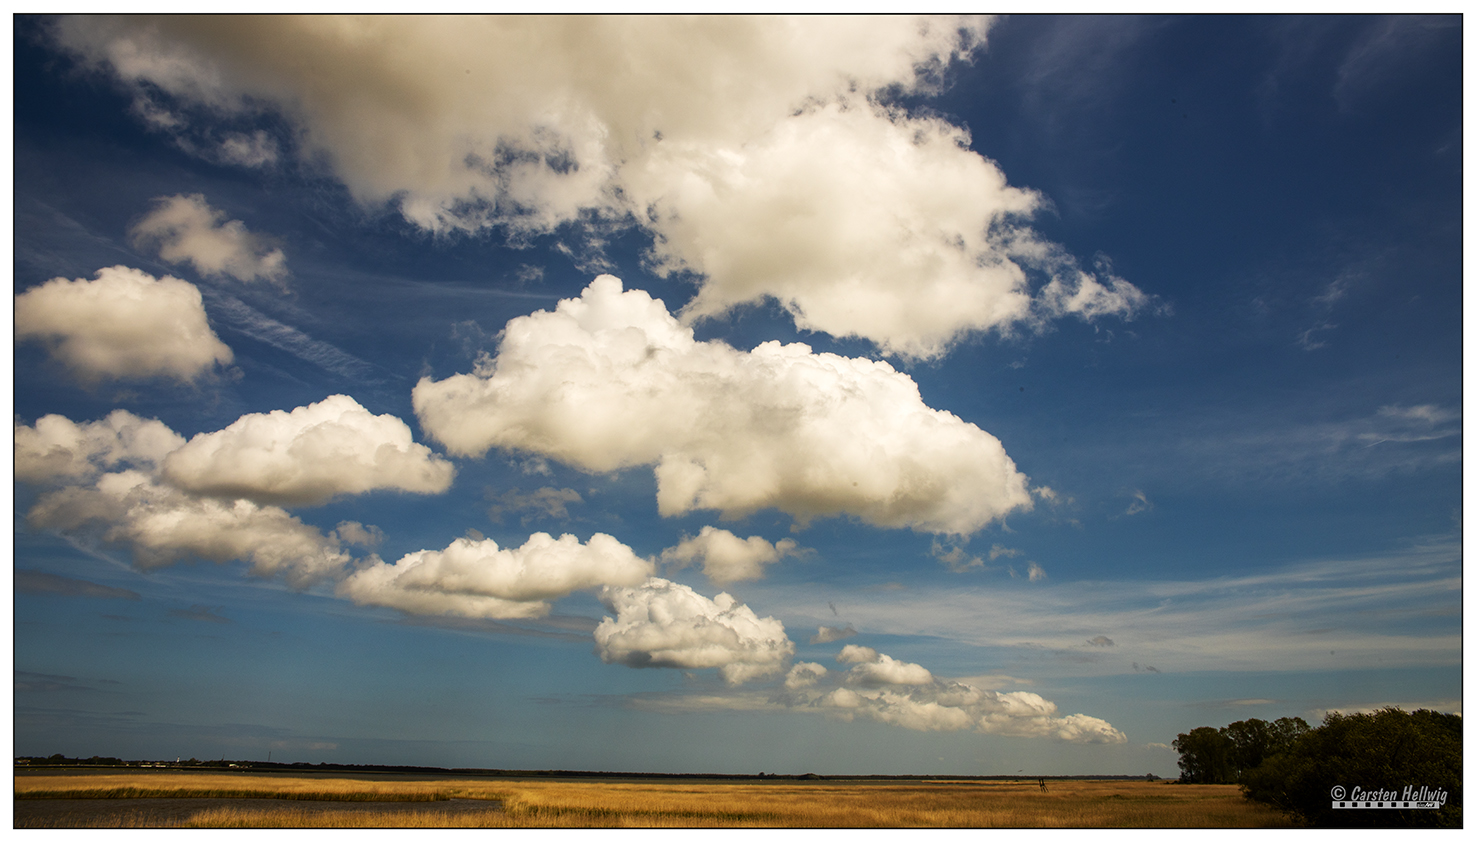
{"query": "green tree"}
(1386, 750)
(1205, 756)
(1254, 740)
(1249, 741)
(1223, 756)
(1285, 732)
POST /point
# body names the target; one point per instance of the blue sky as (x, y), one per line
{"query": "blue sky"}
(879, 396)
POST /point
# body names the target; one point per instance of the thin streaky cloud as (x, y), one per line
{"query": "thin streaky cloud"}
(41, 582)
(1258, 623)
(245, 319)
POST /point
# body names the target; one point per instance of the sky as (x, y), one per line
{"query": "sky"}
(840, 395)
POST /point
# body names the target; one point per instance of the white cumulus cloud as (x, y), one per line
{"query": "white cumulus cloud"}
(804, 674)
(121, 482)
(665, 624)
(503, 119)
(725, 557)
(611, 380)
(872, 667)
(1077, 292)
(58, 448)
(757, 151)
(881, 688)
(308, 456)
(163, 525)
(123, 324)
(477, 578)
(186, 229)
(830, 634)
(859, 221)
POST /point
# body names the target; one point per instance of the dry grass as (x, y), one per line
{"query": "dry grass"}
(1069, 804)
(842, 804)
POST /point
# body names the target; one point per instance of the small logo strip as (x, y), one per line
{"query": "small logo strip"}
(1386, 805)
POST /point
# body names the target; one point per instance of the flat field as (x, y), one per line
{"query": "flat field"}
(319, 800)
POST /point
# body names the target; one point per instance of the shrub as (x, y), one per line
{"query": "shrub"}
(1387, 750)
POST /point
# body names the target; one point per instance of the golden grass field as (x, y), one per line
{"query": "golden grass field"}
(607, 803)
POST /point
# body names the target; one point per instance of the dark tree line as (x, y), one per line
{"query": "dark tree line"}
(1293, 767)
(1221, 756)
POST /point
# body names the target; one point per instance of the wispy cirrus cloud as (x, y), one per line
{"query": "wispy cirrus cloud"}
(242, 317)
(1270, 447)
(41, 582)
(1392, 439)
(1402, 607)
(40, 682)
(201, 614)
(1391, 46)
